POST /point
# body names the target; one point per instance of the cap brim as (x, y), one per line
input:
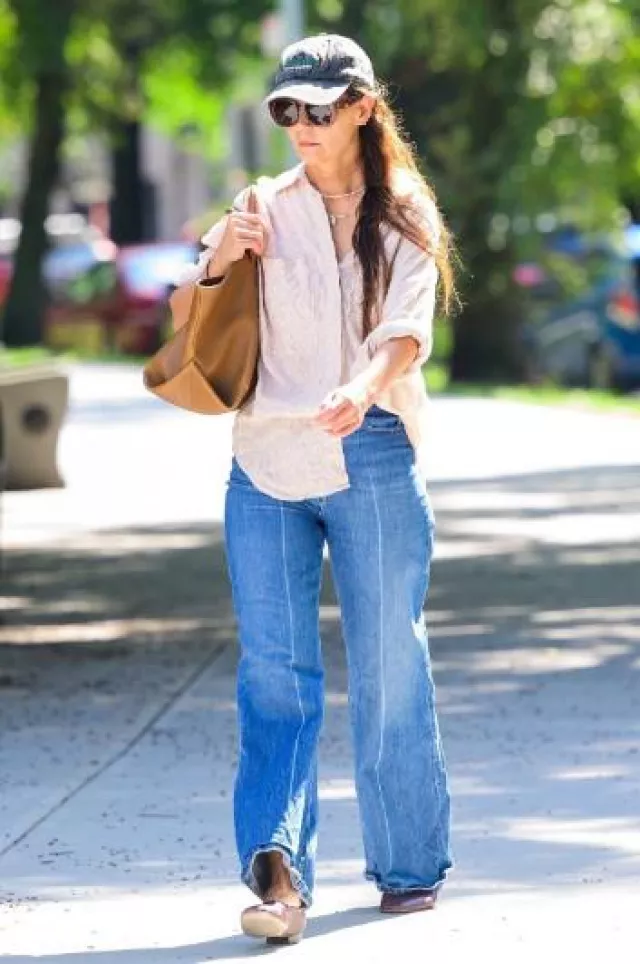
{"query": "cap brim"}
(319, 93)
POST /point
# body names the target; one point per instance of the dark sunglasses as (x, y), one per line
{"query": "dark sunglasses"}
(286, 112)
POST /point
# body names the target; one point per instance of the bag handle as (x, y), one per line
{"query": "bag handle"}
(252, 208)
(252, 200)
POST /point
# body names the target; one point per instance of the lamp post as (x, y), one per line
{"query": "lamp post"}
(292, 13)
(280, 29)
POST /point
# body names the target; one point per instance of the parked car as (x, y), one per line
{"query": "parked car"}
(59, 229)
(584, 311)
(101, 296)
(5, 277)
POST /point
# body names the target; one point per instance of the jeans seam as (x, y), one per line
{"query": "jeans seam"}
(382, 693)
(440, 838)
(292, 641)
(383, 429)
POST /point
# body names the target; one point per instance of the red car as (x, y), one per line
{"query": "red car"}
(5, 278)
(103, 297)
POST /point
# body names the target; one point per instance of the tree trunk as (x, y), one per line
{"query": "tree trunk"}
(485, 104)
(487, 346)
(127, 205)
(26, 303)
(487, 341)
(129, 221)
(42, 51)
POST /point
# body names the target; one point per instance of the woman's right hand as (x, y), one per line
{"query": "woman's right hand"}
(243, 232)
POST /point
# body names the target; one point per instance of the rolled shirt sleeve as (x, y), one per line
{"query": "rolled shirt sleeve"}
(409, 306)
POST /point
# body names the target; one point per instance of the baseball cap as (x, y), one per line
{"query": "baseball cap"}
(318, 70)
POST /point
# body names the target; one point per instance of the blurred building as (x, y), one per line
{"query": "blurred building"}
(178, 183)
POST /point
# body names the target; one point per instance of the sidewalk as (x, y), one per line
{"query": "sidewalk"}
(117, 663)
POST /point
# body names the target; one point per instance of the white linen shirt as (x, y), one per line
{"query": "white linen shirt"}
(311, 336)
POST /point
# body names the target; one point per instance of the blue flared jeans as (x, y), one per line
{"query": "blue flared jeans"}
(379, 533)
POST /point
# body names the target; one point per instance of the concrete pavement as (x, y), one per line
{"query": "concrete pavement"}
(117, 717)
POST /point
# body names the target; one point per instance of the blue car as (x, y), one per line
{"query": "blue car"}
(584, 311)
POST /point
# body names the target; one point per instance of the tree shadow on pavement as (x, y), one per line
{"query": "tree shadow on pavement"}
(534, 622)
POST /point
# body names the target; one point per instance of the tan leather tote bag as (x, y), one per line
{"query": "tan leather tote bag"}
(210, 364)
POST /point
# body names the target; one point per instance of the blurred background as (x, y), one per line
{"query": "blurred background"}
(126, 126)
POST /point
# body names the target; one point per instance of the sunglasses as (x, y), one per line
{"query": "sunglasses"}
(286, 112)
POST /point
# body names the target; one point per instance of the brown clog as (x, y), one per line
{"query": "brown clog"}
(408, 901)
(278, 922)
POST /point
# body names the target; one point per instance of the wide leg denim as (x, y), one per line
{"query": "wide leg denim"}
(380, 536)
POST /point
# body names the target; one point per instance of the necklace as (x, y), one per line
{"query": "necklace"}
(334, 218)
(333, 197)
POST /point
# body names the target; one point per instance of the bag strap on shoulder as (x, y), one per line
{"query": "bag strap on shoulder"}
(252, 200)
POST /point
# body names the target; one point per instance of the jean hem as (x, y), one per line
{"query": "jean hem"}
(407, 889)
(297, 880)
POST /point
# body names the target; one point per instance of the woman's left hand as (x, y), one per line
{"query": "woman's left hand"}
(343, 410)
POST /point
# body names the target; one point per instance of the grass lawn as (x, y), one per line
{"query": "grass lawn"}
(39, 354)
(437, 380)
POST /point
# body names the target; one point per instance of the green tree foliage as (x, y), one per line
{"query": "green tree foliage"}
(89, 60)
(517, 109)
(38, 60)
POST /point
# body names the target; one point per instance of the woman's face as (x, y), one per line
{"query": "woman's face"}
(316, 145)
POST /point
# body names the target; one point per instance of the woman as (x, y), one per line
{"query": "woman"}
(331, 449)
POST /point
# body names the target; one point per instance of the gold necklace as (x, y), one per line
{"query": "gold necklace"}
(334, 218)
(331, 197)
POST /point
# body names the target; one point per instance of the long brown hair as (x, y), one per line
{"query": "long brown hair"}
(386, 151)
